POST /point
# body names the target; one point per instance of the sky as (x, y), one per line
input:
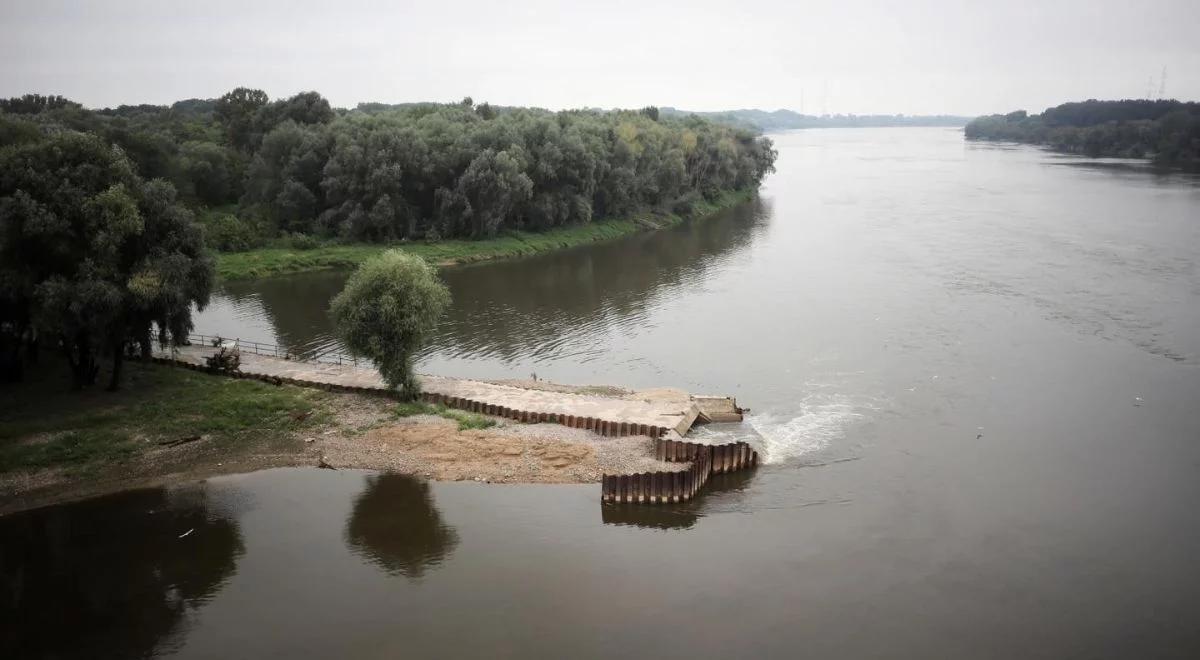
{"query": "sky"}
(847, 56)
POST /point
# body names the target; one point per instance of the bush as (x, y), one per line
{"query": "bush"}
(224, 360)
(390, 304)
(685, 206)
(228, 233)
(300, 241)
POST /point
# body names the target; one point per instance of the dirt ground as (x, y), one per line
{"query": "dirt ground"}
(362, 431)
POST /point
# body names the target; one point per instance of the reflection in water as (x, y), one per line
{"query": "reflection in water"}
(290, 311)
(394, 524)
(560, 306)
(111, 577)
(676, 516)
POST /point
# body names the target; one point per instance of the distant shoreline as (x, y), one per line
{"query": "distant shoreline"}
(276, 261)
(1161, 131)
(783, 120)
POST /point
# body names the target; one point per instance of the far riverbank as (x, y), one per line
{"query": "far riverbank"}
(272, 261)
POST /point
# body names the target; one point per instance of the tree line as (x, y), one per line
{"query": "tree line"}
(297, 167)
(1166, 131)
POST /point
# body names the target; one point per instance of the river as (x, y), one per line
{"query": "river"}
(975, 370)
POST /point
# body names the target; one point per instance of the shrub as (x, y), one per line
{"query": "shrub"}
(228, 233)
(300, 241)
(224, 360)
(685, 206)
(390, 304)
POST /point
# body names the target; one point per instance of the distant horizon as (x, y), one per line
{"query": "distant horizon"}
(604, 109)
(738, 108)
(820, 57)
(8, 93)
(502, 105)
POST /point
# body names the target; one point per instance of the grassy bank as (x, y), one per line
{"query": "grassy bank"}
(47, 425)
(270, 261)
(466, 420)
(170, 425)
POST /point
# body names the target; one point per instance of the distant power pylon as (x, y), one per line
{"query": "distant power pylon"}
(1162, 84)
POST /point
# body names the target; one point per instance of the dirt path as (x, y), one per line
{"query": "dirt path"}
(660, 408)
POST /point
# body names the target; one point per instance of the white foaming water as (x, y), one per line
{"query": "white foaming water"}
(823, 418)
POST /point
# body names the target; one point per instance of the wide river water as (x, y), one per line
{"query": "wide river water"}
(974, 368)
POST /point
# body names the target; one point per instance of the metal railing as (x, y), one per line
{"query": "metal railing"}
(329, 356)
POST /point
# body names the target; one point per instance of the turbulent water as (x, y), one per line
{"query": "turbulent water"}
(975, 370)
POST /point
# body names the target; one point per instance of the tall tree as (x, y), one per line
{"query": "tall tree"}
(93, 256)
(388, 308)
(236, 111)
(493, 184)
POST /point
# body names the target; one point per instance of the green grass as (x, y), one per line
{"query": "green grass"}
(413, 408)
(67, 449)
(45, 424)
(466, 420)
(280, 260)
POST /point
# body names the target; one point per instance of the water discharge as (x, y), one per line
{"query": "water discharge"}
(822, 420)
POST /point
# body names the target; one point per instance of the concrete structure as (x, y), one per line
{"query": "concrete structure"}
(656, 413)
(681, 486)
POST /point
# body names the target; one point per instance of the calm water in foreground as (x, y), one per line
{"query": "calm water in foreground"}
(975, 370)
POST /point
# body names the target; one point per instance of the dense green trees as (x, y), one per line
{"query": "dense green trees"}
(97, 239)
(91, 256)
(31, 104)
(211, 174)
(389, 305)
(1167, 131)
(236, 110)
(446, 171)
(417, 171)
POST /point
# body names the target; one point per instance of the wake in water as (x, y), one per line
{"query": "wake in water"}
(822, 419)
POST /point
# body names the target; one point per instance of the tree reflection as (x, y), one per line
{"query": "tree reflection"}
(513, 309)
(110, 577)
(395, 525)
(297, 306)
(519, 308)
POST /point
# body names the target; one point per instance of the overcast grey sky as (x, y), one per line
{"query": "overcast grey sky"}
(916, 57)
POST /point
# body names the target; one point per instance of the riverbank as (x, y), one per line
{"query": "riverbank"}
(270, 261)
(1158, 131)
(171, 425)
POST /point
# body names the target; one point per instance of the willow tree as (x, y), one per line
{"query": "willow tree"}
(388, 308)
(92, 256)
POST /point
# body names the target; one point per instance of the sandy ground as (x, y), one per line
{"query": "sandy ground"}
(369, 437)
(537, 453)
(363, 433)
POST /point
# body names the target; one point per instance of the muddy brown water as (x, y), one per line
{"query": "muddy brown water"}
(975, 370)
